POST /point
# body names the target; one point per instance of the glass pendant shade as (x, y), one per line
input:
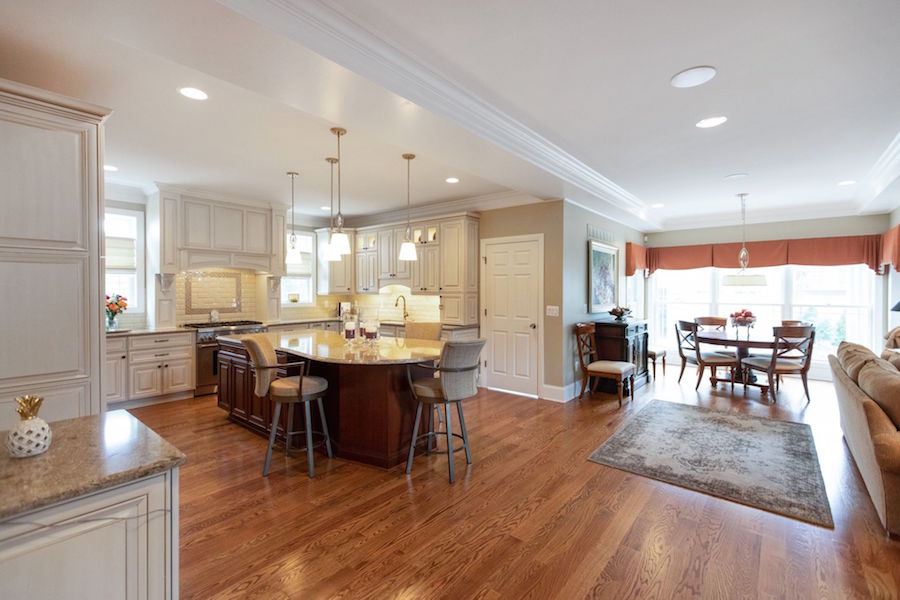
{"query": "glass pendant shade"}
(329, 254)
(744, 257)
(744, 279)
(407, 251)
(293, 240)
(340, 243)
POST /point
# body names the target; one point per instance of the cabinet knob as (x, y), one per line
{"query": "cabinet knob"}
(123, 356)
(166, 366)
(159, 366)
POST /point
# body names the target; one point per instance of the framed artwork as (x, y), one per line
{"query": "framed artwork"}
(603, 276)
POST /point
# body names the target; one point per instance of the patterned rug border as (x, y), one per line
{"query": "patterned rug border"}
(827, 522)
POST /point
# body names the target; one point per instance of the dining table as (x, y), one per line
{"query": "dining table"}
(743, 340)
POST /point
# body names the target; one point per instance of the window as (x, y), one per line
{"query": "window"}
(840, 301)
(124, 231)
(298, 284)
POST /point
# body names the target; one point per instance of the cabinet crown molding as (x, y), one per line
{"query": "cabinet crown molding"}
(26, 95)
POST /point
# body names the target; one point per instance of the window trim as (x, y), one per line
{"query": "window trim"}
(138, 305)
(313, 268)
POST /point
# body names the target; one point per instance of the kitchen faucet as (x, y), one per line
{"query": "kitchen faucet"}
(397, 303)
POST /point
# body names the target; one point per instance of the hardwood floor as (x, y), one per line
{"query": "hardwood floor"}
(531, 518)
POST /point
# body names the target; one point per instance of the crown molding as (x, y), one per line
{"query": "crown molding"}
(444, 208)
(331, 31)
(882, 174)
(801, 213)
(217, 196)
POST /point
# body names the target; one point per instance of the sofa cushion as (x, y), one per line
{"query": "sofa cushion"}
(892, 356)
(881, 382)
(853, 357)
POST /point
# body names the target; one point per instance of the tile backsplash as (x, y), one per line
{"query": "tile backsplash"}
(381, 306)
(216, 288)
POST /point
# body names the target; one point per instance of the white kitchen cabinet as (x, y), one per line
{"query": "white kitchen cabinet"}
(118, 543)
(453, 256)
(402, 268)
(145, 380)
(228, 228)
(426, 270)
(334, 278)
(197, 224)
(116, 376)
(387, 258)
(178, 375)
(51, 207)
(256, 231)
(367, 272)
(279, 244)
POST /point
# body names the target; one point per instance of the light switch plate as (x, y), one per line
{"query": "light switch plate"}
(552, 311)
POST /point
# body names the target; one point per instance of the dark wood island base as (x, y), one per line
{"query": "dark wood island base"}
(369, 408)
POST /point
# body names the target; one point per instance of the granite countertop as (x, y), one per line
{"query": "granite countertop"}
(149, 331)
(87, 454)
(330, 346)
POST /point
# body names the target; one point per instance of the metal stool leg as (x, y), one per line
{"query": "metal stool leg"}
(449, 441)
(415, 434)
(309, 440)
(288, 432)
(462, 426)
(430, 418)
(272, 439)
(324, 427)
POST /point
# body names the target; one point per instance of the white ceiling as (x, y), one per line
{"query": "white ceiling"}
(563, 99)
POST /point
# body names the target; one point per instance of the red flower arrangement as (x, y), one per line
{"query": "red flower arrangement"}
(115, 305)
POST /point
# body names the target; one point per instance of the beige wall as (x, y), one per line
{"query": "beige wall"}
(545, 218)
(575, 276)
(860, 225)
(895, 218)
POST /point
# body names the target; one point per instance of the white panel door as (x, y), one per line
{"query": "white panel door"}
(116, 375)
(511, 320)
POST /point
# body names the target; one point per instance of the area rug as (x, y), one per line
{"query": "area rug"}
(762, 463)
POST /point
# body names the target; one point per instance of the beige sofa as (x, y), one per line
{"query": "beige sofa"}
(868, 394)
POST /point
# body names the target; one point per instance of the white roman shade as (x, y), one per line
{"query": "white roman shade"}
(121, 253)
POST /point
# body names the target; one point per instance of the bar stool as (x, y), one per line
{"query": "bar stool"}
(425, 331)
(457, 372)
(287, 390)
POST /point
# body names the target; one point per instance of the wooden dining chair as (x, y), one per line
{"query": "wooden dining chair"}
(788, 323)
(591, 366)
(711, 323)
(689, 351)
(791, 353)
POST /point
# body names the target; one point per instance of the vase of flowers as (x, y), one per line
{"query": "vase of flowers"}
(115, 305)
(742, 318)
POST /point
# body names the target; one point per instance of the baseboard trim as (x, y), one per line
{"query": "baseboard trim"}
(126, 404)
(558, 393)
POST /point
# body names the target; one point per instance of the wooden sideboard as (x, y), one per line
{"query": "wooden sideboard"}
(623, 340)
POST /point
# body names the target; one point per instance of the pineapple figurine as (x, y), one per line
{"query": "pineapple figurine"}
(32, 435)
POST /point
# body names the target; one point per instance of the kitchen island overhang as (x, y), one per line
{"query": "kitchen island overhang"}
(369, 407)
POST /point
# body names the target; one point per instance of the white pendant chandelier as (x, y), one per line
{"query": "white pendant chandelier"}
(293, 238)
(340, 241)
(328, 248)
(743, 278)
(407, 248)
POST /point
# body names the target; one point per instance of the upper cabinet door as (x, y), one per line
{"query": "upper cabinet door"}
(256, 231)
(228, 228)
(402, 268)
(452, 256)
(197, 224)
(386, 254)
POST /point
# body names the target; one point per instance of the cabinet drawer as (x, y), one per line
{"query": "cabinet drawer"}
(143, 342)
(116, 345)
(161, 354)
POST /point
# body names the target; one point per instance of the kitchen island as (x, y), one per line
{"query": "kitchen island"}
(369, 407)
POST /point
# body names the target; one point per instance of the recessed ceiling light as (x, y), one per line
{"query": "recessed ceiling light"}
(657, 205)
(193, 93)
(693, 77)
(452, 180)
(711, 122)
(737, 176)
(325, 207)
(110, 168)
(847, 182)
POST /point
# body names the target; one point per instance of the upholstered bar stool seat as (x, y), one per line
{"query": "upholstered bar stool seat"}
(652, 355)
(286, 387)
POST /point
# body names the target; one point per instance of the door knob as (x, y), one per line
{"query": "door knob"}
(533, 326)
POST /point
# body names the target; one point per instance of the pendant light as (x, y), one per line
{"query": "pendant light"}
(340, 242)
(293, 238)
(330, 254)
(407, 248)
(743, 278)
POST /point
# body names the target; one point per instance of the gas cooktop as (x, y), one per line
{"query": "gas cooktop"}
(217, 324)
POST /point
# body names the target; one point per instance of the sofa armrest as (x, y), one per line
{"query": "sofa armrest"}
(887, 451)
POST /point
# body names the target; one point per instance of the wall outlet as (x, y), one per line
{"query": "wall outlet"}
(552, 311)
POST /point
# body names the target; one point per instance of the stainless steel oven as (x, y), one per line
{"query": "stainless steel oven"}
(208, 350)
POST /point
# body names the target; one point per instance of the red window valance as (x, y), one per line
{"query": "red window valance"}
(869, 250)
(635, 258)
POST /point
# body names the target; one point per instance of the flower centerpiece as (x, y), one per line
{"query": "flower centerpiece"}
(115, 305)
(743, 318)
